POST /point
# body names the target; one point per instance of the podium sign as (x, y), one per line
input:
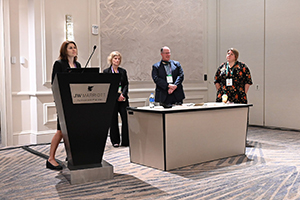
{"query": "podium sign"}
(84, 104)
(89, 93)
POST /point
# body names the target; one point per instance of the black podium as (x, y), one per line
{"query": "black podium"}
(84, 103)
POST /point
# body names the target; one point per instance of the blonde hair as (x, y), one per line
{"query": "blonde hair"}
(112, 55)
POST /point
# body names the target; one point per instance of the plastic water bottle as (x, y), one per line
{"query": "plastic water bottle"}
(151, 100)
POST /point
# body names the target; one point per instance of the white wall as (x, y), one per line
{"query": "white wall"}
(2, 79)
(241, 25)
(138, 29)
(5, 71)
(282, 58)
(36, 29)
(266, 34)
(268, 43)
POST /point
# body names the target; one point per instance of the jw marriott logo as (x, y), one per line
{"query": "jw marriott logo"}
(89, 93)
(90, 88)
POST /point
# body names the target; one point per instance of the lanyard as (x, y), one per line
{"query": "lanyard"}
(112, 70)
(227, 69)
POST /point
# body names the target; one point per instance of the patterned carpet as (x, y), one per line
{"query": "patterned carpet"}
(269, 170)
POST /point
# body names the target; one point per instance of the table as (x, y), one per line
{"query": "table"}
(167, 139)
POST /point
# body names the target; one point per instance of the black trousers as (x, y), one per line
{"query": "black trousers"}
(120, 107)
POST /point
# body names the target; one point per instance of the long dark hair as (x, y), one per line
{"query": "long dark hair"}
(63, 50)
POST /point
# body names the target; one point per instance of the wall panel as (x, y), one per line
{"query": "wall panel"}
(138, 29)
(241, 25)
(282, 63)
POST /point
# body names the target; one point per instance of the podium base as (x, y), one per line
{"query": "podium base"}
(90, 174)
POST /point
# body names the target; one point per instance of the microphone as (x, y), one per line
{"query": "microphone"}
(94, 48)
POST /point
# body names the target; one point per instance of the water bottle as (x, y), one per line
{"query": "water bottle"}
(151, 100)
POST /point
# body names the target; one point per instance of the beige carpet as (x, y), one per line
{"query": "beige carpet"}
(269, 170)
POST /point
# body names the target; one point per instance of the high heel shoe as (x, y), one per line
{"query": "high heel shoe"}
(50, 166)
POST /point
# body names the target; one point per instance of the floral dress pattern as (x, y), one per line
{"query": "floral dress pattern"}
(240, 75)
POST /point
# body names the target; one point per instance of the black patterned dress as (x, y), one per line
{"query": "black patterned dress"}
(240, 75)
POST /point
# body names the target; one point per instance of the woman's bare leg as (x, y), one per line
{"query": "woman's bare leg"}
(54, 144)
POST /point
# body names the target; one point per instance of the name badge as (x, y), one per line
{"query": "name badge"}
(169, 79)
(229, 82)
(120, 89)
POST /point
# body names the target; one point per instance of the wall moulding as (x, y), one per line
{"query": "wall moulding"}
(29, 93)
(49, 110)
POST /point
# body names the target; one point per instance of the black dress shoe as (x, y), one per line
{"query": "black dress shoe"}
(124, 145)
(50, 166)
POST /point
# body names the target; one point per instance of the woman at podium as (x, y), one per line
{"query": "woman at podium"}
(67, 59)
(114, 60)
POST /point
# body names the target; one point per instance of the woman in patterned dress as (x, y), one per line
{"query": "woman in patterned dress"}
(233, 79)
